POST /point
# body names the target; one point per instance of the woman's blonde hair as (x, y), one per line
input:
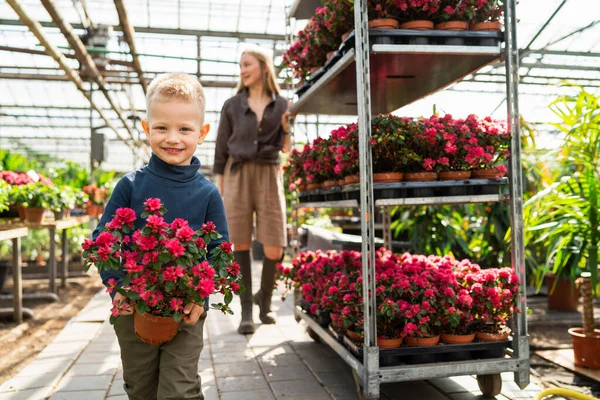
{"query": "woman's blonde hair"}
(266, 64)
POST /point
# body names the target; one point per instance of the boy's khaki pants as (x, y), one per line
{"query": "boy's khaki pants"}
(161, 372)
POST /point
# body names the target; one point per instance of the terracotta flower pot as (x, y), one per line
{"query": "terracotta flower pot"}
(420, 176)
(330, 54)
(34, 215)
(493, 337)
(422, 342)
(353, 335)
(21, 211)
(330, 184)
(564, 297)
(454, 175)
(418, 25)
(153, 329)
(345, 35)
(384, 23)
(488, 173)
(314, 69)
(314, 186)
(489, 26)
(351, 179)
(389, 343)
(450, 338)
(388, 177)
(341, 182)
(302, 188)
(452, 26)
(586, 348)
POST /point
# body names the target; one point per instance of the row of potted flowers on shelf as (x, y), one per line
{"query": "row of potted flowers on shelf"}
(333, 22)
(32, 199)
(423, 149)
(420, 299)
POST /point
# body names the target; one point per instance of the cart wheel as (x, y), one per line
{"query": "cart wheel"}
(313, 335)
(490, 385)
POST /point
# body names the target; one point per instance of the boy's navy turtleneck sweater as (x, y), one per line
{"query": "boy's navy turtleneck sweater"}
(185, 192)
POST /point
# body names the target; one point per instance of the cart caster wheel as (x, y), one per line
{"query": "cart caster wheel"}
(490, 385)
(313, 335)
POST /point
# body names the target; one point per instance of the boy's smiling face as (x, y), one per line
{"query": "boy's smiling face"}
(174, 129)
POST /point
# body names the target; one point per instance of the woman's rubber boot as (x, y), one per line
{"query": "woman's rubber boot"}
(263, 297)
(247, 324)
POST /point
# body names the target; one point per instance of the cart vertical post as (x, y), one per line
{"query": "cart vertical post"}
(520, 343)
(363, 94)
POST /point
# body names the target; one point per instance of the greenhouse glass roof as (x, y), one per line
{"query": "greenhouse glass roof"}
(40, 108)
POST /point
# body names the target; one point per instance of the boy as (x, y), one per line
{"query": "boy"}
(175, 127)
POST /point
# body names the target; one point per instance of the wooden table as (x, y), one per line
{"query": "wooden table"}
(15, 234)
(53, 226)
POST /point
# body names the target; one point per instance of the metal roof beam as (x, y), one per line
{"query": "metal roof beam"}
(128, 33)
(170, 31)
(43, 53)
(52, 51)
(86, 60)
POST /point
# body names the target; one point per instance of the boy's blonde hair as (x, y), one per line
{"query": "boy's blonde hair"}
(176, 86)
(266, 64)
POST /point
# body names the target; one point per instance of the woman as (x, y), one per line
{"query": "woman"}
(253, 129)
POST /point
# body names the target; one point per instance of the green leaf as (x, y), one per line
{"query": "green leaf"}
(228, 297)
(223, 273)
(164, 257)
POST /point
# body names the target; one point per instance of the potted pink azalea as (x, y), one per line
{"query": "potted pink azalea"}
(165, 267)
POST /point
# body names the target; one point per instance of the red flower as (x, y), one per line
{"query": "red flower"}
(209, 228)
(185, 233)
(152, 205)
(226, 247)
(176, 305)
(175, 248)
(126, 215)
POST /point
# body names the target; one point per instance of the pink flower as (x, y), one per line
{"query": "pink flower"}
(226, 247)
(145, 243)
(126, 215)
(173, 272)
(209, 228)
(176, 304)
(111, 284)
(105, 239)
(200, 243)
(313, 309)
(156, 223)
(175, 248)
(205, 287)
(185, 233)
(87, 244)
(152, 205)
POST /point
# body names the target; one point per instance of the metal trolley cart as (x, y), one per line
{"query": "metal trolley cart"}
(380, 71)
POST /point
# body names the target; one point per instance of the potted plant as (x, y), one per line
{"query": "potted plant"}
(564, 217)
(97, 198)
(389, 151)
(62, 201)
(424, 148)
(38, 198)
(456, 306)
(340, 19)
(494, 294)
(418, 15)
(586, 340)
(346, 157)
(166, 268)
(487, 147)
(487, 16)
(455, 15)
(4, 196)
(382, 14)
(293, 171)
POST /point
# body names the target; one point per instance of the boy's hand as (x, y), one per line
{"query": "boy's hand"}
(120, 299)
(191, 313)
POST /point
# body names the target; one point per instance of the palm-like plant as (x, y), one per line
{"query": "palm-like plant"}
(565, 217)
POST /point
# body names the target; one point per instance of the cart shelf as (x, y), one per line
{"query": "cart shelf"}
(304, 9)
(412, 372)
(410, 194)
(400, 75)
